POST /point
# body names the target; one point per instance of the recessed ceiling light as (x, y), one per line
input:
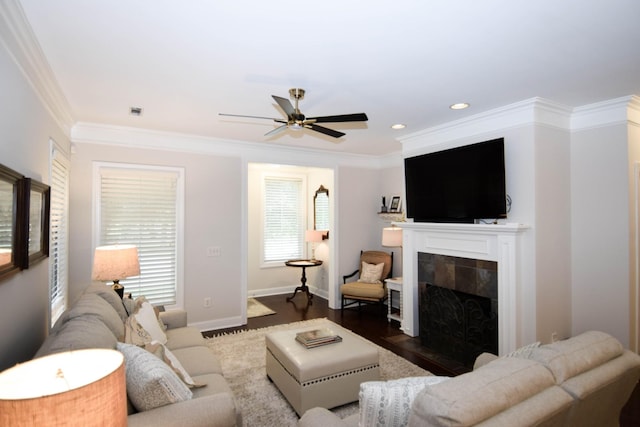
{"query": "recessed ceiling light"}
(459, 106)
(135, 111)
(398, 126)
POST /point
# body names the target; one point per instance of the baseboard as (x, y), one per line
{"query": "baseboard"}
(210, 325)
(283, 290)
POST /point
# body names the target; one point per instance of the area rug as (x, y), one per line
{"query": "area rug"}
(242, 355)
(256, 309)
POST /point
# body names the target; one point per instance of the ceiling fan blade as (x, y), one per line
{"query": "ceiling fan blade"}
(276, 130)
(286, 106)
(357, 117)
(250, 117)
(326, 131)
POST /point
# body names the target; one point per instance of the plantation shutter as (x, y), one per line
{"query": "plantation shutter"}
(59, 235)
(283, 219)
(139, 207)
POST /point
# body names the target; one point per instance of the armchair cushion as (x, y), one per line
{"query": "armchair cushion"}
(371, 273)
(372, 291)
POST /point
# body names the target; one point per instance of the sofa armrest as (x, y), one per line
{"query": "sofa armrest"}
(174, 318)
(483, 359)
(321, 417)
(216, 410)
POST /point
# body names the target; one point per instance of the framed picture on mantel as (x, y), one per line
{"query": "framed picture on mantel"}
(395, 204)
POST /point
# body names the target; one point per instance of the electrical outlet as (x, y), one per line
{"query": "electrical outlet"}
(207, 302)
(213, 251)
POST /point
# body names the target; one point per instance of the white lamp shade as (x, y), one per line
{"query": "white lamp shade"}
(313, 236)
(73, 388)
(115, 262)
(392, 237)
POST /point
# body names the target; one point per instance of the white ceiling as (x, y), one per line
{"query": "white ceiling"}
(403, 61)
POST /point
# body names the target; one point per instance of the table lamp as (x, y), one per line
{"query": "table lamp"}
(313, 236)
(72, 388)
(115, 262)
(392, 237)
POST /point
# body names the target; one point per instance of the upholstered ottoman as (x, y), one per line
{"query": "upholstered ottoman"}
(326, 376)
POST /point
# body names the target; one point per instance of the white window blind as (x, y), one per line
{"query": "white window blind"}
(283, 219)
(141, 207)
(59, 234)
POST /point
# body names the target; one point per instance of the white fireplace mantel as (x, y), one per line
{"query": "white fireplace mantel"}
(491, 242)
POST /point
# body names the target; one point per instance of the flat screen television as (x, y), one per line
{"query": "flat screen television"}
(461, 184)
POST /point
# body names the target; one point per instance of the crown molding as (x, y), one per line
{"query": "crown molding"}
(538, 111)
(623, 110)
(21, 43)
(130, 137)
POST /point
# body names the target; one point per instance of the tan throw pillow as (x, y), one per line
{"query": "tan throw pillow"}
(371, 273)
(135, 333)
(164, 354)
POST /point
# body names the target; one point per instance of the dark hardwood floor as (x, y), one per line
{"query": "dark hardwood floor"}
(371, 324)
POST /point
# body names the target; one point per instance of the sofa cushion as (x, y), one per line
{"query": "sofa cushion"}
(109, 295)
(78, 333)
(388, 403)
(92, 304)
(571, 357)
(184, 337)
(150, 382)
(198, 360)
(471, 398)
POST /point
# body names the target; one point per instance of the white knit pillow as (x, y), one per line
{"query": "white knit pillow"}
(371, 273)
(151, 382)
(388, 403)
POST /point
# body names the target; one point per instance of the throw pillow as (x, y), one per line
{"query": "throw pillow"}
(135, 333)
(524, 352)
(150, 382)
(371, 273)
(164, 354)
(388, 403)
(146, 317)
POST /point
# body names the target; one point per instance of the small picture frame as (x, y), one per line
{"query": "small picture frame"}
(395, 204)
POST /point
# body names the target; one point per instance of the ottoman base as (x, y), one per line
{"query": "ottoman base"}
(327, 392)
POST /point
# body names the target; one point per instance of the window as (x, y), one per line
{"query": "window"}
(59, 232)
(143, 206)
(284, 218)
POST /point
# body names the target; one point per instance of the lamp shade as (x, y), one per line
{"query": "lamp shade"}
(73, 388)
(392, 237)
(115, 262)
(313, 236)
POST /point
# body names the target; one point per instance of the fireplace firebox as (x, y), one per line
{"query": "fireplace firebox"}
(458, 306)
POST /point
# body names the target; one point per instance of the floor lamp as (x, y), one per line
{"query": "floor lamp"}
(114, 263)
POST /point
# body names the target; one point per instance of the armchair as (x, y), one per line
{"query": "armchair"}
(370, 286)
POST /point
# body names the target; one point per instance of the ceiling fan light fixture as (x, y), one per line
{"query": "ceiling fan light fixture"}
(459, 106)
(295, 126)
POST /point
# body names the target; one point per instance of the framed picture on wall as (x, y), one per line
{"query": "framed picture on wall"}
(395, 204)
(35, 233)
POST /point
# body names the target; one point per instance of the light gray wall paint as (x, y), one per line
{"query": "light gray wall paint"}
(212, 218)
(600, 230)
(25, 129)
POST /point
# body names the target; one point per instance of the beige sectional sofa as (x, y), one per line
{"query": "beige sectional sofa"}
(97, 320)
(582, 381)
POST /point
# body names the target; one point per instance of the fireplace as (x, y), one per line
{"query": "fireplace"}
(498, 243)
(458, 306)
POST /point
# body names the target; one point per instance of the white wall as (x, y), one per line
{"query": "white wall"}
(25, 129)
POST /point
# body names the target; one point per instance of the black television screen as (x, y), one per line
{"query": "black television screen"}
(461, 184)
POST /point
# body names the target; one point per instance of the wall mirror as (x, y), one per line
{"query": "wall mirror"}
(9, 206)
(321, 210)
(37, 231)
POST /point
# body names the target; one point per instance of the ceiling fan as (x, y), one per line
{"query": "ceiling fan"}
(296, 120)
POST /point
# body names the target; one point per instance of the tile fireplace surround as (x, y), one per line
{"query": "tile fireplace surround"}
(491, 242)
